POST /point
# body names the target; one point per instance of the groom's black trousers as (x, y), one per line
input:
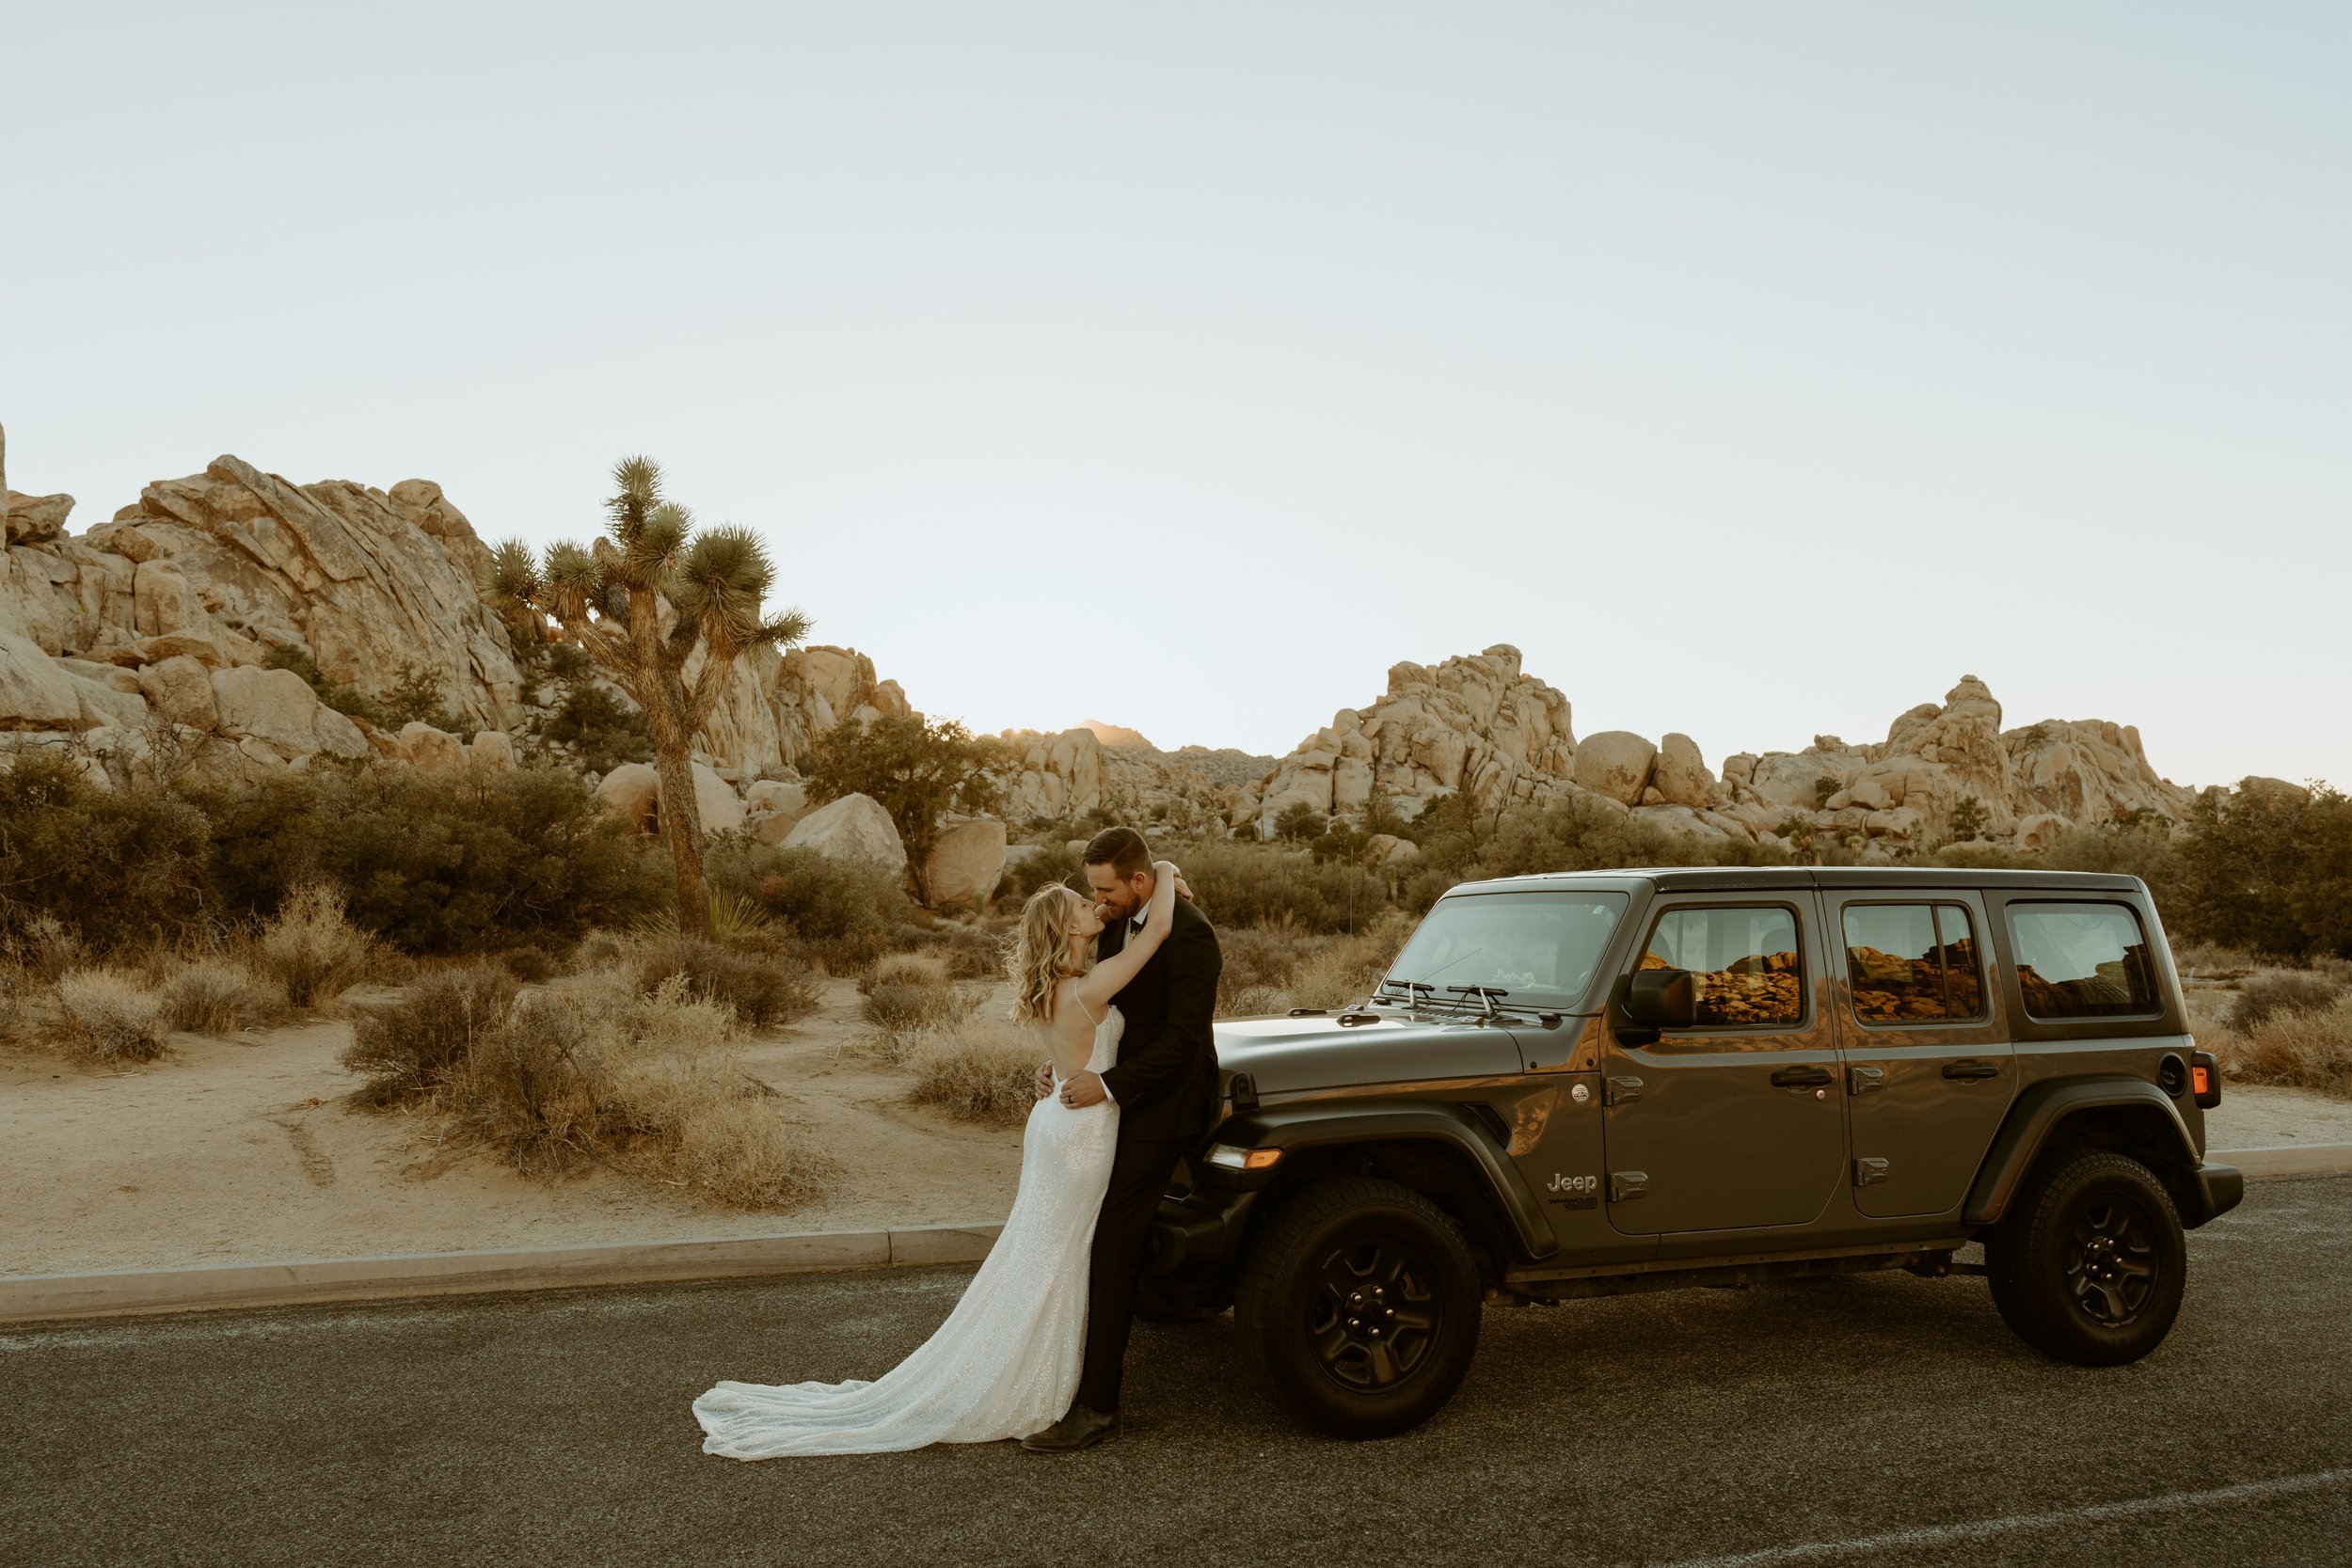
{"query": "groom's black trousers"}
(1140, 1174)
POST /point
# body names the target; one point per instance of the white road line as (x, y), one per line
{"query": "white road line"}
(1979, 1530)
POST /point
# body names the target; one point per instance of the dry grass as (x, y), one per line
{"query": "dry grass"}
(312, 952)
(2303, 1048)
(979, 1069)
(764, 989)
(1274, 969)
(109, 1015)
(910, 992)
(219, 996)
(650, 1084)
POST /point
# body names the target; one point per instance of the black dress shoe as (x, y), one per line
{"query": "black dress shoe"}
(1081, 1429)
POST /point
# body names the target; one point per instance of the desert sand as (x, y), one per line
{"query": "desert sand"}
(249, 1150)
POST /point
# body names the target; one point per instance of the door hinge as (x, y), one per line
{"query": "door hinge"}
(1626, 1185)
(1867, 1171)
(1862, 1080)
(1619, 1090)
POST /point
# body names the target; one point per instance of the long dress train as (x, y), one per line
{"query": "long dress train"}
(1006, 1362)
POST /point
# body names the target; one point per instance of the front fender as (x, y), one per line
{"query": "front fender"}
(1293, 1129)
(2041, 1113)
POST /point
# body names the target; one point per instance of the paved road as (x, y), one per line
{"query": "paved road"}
(1873, 1417)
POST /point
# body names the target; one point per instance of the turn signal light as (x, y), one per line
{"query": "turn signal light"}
(1234, 1157)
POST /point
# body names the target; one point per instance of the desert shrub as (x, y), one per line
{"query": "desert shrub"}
(818, 899)
(110, 1016)
(112, 867)
(532, 965)
(46, 947)
(407, 1047)
(1342, 970)
(1260, 963)
(1045, 864)
(2307, 1048)
(214, 996)
(1237, 884)
(1274, 970)
(2263, 995)
(967, 952)
(980, 1068)
(903, 969)
(2267, 868)
(648, 1083)
(311, 951)
(603, 950)
(897, 1008)
(1300, 821)
(436, 864)
(601, 730)
(761, 988)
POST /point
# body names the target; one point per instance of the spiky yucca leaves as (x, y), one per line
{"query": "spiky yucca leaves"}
(608, 596)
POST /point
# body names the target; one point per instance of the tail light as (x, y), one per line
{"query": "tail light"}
(2204, 1077)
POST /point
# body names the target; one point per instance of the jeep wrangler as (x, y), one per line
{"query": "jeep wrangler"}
(1586, 1084)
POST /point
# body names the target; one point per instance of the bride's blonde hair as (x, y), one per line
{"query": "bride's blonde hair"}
(1039, 959)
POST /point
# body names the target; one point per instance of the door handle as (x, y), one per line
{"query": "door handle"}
(1801, 1078)
(1971, 1070)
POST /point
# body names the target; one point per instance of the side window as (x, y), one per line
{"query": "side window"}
(1912, 964)
(2082, 961)
(1749, 970)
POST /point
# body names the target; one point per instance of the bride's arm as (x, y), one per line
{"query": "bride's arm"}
(1109, 978)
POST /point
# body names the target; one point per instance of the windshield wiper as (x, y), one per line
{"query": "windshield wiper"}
(1411, 988)
(1485, 994)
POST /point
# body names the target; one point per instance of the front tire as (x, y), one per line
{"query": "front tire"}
(2090, 1265)
(1358, 1307)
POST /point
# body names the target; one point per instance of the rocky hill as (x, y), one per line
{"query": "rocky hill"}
(1478, 725)
(179, 626)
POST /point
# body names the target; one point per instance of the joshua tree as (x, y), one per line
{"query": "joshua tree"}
(644, 603)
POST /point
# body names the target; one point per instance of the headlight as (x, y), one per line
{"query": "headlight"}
(1234, 1157)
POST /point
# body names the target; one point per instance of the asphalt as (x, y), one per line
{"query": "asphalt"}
(1864, 1418)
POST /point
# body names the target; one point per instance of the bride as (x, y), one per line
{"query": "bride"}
(1006, 1362)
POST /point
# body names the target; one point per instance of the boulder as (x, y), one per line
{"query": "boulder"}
(34, 519)
(966, 863)
(1616, 764)
(35, 692)
(492, 749)
(277, 708)
(1388, 852)
(1680, 776)
(770, 798)
(715, 802)
(632, 792)
(853, 830)
(429, 750)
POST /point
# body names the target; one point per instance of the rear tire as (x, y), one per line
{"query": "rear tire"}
(2090, 1264)
(1358, 1307)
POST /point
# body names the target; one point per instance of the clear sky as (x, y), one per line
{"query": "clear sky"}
(1758, 370)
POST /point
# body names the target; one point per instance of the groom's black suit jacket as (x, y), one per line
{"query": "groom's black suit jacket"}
(1165, 1080)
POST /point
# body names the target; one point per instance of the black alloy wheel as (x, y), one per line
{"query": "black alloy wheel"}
(1358, 1306)
(1378, 1315)
(2090, 1264)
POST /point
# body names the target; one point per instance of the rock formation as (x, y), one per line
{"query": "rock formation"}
(1480, 727)
(854, 829)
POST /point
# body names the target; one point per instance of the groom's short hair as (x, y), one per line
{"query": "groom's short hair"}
(1121, 848)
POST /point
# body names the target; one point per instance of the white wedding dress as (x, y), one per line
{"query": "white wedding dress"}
(1004, 1364)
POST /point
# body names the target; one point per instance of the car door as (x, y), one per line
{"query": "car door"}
(1734, 1123)
(1929, 1071)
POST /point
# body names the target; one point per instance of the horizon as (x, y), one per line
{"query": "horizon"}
(1755, 374)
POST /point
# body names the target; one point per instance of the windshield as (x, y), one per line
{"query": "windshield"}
(1540, 949)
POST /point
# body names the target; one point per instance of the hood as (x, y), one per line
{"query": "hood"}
(1284, 1055)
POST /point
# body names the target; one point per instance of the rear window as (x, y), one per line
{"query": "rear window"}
(2082, 961)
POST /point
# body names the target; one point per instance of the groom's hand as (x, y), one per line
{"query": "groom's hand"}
(1045, 1080)
(1082, 1091)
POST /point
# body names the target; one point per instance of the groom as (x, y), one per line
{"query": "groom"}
(1165, 1085)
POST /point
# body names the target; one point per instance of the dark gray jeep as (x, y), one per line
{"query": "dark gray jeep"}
(1591, 1083)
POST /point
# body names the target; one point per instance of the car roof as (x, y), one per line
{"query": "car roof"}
(1668, 879)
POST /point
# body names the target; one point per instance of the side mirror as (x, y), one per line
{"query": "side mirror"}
(1662, 999)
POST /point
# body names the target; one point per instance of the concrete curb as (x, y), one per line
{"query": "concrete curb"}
(117, 1292)
(121, 1293)
(2287, 1159)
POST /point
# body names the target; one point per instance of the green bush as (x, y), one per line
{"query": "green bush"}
(1045, 864)
(2268, 869)
(2263, 996)
(818, 899)
(437, 863)
(111, 867)
(1238, 883)
(763, 989)
(602, 730)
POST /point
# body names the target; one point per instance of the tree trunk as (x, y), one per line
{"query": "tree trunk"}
(682, 824)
